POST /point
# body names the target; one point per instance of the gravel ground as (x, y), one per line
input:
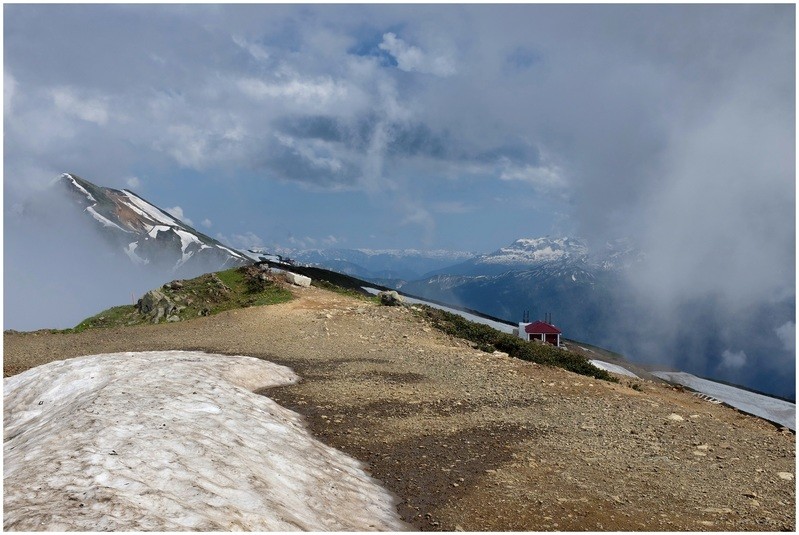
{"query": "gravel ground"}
(473, 441)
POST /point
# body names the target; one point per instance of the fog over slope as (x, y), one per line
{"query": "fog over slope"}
(62, 265)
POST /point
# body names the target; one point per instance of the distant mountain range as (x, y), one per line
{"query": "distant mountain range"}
(586, 290)
(148, 235)
(539, 275)
(392, 265)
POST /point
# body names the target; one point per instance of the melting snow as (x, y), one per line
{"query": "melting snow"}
(140, 205)
(186, 239)
(165, 441)
(131, 252)
(153, 233)
(80, 188)
(613, 368)
(102, 219)
(772, 409)
(231, 251)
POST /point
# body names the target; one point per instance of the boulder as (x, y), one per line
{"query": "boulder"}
(156, 305)
(215, 280)
(390, 298)
(299, 280)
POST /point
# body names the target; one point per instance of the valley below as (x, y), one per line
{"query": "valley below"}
(469, 440)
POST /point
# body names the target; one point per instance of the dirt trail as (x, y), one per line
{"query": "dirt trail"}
(473, 441)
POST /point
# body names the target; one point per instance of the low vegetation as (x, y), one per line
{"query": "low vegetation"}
(489, 339)
(349, 292)
(202, 296)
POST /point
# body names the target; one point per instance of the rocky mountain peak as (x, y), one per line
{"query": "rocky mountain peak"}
(147, 234)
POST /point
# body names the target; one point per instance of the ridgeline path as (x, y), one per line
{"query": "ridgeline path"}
(472, 441)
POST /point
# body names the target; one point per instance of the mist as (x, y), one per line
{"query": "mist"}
(57, 270)
(60, 268)
(715, 292)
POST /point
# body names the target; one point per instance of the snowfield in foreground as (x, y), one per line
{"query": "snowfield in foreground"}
(168, 441)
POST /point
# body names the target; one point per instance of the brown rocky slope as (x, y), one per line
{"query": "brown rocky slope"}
(473, 441)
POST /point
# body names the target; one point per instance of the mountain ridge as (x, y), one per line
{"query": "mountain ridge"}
(146, 233)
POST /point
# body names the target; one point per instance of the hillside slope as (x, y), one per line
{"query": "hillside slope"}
(479, 441)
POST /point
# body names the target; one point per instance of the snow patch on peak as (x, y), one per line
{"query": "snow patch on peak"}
(186, 239)
(79, 187)
(103, 220)
(153, 233)
(537, 250)
(151, 211)
(131, 252)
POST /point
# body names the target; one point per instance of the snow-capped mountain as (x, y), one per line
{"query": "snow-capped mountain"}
(147, 234)
(571, 255)
(532, 251)
(540, 275)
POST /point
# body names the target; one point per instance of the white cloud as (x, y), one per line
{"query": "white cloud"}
(254, 49)
(330, 240)
(248, 240)
(186, 144)
(313, 151)
(93, 110)
(547, 177)
(133, 182)
(733, 359)
(787, 335)
(177, 211)
(411, 58)
(306, 242)
(206, 223)
(319, 91)
(9, 92)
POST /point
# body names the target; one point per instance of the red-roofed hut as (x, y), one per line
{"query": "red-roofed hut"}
(539, 330)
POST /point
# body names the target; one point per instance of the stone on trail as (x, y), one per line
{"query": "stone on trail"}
(390, 298)
(298, 280)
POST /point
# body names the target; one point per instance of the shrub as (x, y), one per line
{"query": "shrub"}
(489, 339)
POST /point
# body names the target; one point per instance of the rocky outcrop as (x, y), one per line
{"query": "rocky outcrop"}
(390, 298)
(155, 304)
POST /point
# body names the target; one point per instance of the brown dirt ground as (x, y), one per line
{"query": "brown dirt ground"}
(472, 441)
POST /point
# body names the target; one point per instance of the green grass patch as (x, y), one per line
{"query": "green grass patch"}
(113, 317)
(234, 278)
(205, 295)
(489, 339)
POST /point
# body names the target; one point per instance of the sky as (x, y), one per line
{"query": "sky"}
(458, 127)
(393, 126)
